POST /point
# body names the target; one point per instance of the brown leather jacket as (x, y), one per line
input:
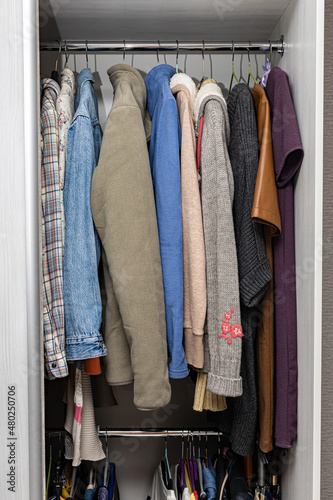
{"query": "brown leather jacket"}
(266, 211)
(265, 203)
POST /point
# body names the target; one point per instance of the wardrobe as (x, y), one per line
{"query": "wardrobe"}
(25, 26)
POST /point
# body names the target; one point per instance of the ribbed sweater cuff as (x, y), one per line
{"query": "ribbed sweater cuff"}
(194, 350)
(254, 285)
(224, 386)
(213, 402)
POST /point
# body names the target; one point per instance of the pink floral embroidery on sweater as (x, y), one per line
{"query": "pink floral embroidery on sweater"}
(234, 330)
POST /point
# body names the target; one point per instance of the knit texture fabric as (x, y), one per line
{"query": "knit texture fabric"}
(80, 418)
(206, 400)
(240, 419)
(223, 342)
(195, 294)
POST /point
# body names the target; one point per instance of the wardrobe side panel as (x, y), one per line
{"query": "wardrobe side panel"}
(302, 26)
(327, 351)
(20, 374)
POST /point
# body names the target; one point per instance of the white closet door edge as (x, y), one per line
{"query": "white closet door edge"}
(33, 253)
(319, 168)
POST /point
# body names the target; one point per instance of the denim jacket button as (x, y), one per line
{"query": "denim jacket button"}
(101, 345)
(54, 365)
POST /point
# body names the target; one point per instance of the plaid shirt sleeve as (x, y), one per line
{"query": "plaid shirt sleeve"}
(52, 258)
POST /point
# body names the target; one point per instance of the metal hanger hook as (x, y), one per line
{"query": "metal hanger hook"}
(270, 53)
(87, 54)
(166, 441)
(177, 54)
(58, 55)
(203, 58)
(124, 50)
(233, 54)
(199, 445)
(158, 52)
(66, 54)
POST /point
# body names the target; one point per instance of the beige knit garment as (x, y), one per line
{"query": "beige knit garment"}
(194, 265)
(206, 400)
(87, 445)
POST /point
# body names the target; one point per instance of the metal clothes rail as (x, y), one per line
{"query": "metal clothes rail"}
(160, 433)
(185, 47)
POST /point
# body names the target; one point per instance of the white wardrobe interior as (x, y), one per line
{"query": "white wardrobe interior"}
(214, 20)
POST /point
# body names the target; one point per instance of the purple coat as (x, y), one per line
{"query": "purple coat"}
(288, 156)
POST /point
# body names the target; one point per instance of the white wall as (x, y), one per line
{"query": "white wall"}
(216, 66)
(303, 27)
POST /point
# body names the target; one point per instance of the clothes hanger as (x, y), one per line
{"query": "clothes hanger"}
(106, 467)
(87, 54)
(191, 463)
(187, 464)
(177, 54)
(55, 74)
(124, 49)
(181, 467)
(58, 487)
(270, 55)
(158, 53)
(193, 446)
(199, 445)
(267, 67)
(203, 65)
(66, 55)
(58, 55)
(218, 443)
(233, 74)
(166, 455)
(250, 72)
(49, 469)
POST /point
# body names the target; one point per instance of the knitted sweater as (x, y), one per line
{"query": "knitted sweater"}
(240, 419)
(223, 342)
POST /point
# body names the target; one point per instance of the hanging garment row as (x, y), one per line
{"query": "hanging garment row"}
(158, 248)
(97, 481)
(198, 474)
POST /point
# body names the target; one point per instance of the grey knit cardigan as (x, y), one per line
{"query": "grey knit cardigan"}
(223, 331)
(240, 419)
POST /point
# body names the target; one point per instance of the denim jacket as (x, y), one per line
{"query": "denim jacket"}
(82, 298)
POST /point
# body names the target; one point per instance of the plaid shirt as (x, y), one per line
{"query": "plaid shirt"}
(53, 308)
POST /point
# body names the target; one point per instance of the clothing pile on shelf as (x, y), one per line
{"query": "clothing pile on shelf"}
(168, 246)
(225, 476)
